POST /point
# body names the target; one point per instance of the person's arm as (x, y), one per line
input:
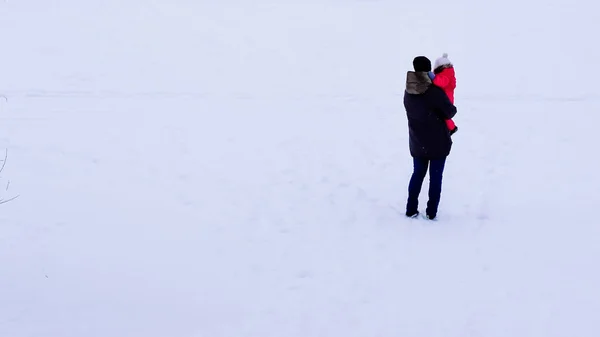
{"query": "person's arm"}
(446, 109)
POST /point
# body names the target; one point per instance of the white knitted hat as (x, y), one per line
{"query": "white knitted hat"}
(442, 61)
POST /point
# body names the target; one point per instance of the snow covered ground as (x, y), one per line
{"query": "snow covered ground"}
(228, 168)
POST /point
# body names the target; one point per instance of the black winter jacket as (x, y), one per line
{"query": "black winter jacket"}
(427, 108)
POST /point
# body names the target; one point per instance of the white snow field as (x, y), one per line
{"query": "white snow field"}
(240, 169)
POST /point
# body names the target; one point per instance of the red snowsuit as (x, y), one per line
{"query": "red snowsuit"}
(446, 79)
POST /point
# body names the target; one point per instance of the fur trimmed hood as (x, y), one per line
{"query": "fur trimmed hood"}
(417, 82)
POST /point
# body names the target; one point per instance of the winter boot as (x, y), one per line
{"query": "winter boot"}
(412, 214)
(453, 131)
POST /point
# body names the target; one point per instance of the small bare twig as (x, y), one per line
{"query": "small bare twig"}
(4, 163)
(2, 201)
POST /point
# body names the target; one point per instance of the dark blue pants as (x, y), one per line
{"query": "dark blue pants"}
(436, 171)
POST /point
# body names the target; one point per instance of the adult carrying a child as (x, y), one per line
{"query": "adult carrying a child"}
(427, 109)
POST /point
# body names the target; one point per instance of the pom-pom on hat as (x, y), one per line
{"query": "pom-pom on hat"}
(442, 61)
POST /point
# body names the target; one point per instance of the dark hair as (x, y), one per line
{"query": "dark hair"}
(442, 67)
(422, 63)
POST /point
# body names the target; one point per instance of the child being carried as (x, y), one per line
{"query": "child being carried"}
(443, 76)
